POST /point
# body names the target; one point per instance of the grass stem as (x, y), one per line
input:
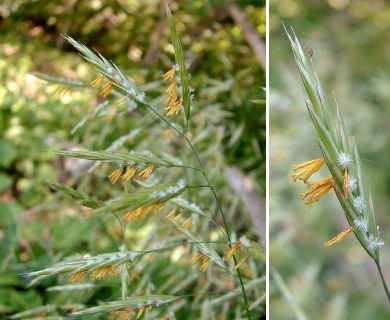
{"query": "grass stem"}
(383, 279)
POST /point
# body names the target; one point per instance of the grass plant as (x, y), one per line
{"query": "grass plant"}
(155, 183)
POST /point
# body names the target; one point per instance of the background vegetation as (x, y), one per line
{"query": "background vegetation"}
(39, 227)
(352, 60)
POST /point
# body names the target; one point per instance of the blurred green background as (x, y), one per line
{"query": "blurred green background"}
(352, 59)
(38, 226)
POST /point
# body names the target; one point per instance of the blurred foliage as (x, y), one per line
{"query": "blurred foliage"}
(39, 227)
(352, 60)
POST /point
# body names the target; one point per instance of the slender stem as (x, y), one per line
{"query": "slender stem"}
(165, 120)
(188, 167)
(198, 186)
(383, 279)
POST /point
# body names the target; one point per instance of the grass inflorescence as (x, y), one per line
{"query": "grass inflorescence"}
(151, 197)
(341, 156)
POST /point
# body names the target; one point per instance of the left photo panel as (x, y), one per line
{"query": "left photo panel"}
(133, 160)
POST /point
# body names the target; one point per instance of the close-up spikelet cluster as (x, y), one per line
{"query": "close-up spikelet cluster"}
(341, 156)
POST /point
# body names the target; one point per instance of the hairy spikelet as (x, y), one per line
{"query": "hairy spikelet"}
(341, 156)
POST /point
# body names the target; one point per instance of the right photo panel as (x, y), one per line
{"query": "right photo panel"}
(329, 186)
